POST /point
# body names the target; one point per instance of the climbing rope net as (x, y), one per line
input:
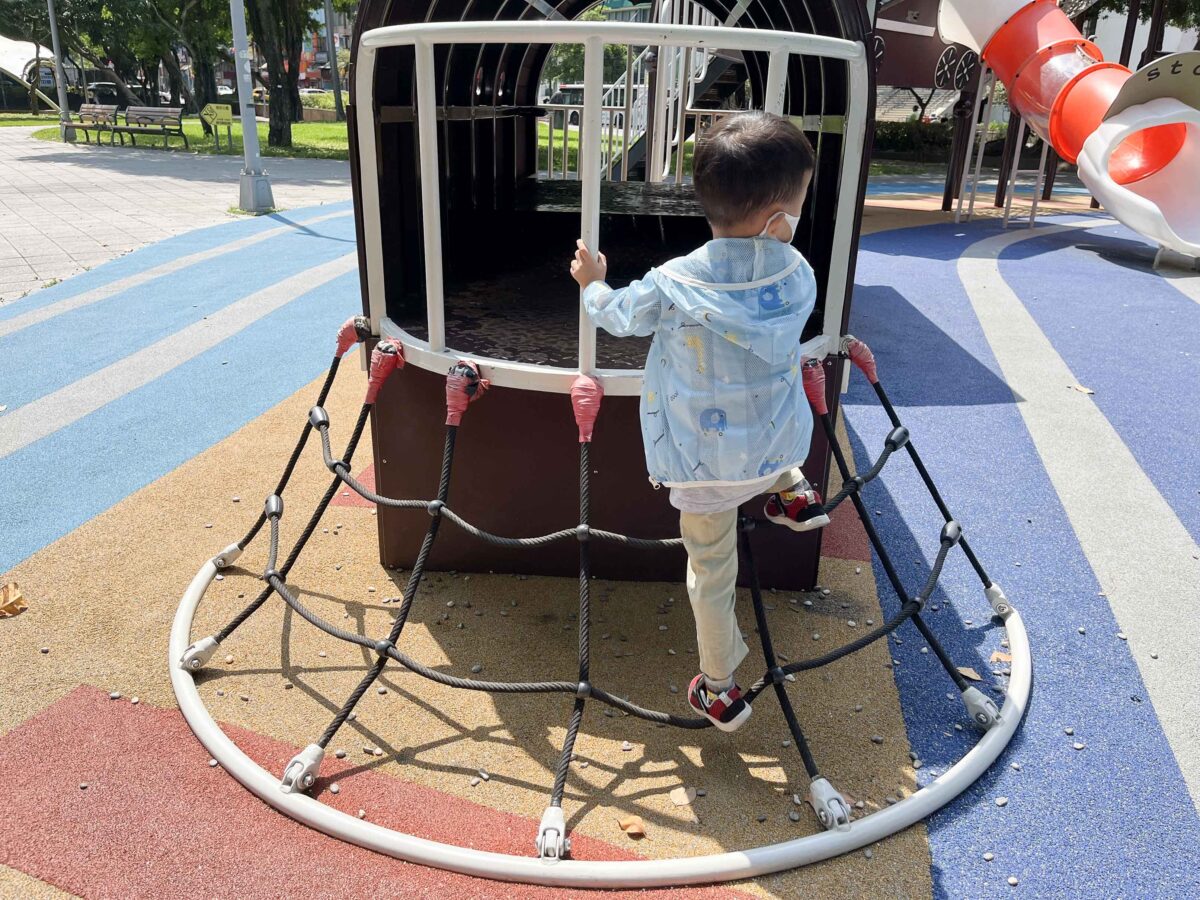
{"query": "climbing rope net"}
(552, 865)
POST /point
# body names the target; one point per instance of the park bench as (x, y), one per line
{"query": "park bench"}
(166, 121)
(97, 117)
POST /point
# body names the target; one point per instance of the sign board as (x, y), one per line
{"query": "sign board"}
(1177, 76)
(217, 114)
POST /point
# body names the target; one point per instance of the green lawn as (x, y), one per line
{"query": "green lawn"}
(327, 140)
(12, 119)
(312, 140)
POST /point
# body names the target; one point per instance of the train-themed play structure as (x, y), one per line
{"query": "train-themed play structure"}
(471, 182)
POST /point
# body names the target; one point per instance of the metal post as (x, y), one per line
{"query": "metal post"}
(589, 175)
(431, 198)
(65, 131)
(331, 53)
(1154, 40)
(776, 82)
(1131, 21)
(255, 187)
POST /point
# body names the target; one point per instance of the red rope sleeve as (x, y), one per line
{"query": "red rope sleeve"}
(586, 394)
(385, 359)
(814, 385)
(353, 330)
(861, 356)
(463, 386)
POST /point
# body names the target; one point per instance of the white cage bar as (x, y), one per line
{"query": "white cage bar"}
(433, 353)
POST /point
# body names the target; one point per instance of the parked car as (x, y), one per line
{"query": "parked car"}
(313, 91)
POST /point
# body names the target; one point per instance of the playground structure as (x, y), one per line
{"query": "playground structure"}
(1134, 135)
(436, 167)
(445, 144)
(464, 387)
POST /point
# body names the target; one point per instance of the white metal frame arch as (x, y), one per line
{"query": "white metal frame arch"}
(433, 353)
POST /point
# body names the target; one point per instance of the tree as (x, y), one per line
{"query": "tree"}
(203, 29)
(564, 64)
(279, 28)
(1183, 14)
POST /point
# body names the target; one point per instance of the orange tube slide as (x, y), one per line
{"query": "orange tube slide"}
(1062, 87)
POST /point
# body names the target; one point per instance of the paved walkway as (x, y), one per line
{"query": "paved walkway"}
(65, 208)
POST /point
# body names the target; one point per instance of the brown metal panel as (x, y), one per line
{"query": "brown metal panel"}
(516, 473)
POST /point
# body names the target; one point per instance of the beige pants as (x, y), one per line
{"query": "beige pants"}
(711, 543)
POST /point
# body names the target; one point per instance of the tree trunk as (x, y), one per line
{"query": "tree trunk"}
(295, 107)
(205, 77)
(265, 23)
(130, 98)
(175, 80)
(36, 81)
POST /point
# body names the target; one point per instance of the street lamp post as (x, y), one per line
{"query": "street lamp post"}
(66, 132)
(255, 187)
(331, 54)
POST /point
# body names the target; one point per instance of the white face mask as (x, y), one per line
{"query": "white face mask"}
(792, 221)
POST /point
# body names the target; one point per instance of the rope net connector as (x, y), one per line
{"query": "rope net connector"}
(814, 385)
(586, 394)
(198, 654)
(353, 330)
(981, 708)
(830, 806)
(464, 385)
(552, 842)
(386, 358)
(860, 354)
(999, 603)
(301, 773)
(227, 557)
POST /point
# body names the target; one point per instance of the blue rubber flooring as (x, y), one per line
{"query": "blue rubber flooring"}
(1112, 820)
(55, 484)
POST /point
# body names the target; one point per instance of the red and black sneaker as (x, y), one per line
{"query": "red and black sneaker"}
(800, 508)
(726, 710)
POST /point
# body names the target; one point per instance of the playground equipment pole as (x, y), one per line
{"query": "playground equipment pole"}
(331, 53)
(255, 186)
(66, 132)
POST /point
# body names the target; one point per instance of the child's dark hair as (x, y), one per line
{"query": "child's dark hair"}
(749, 162)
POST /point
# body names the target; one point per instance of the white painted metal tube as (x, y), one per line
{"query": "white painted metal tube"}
(589, 176)
(776, 82)
(853, 155)
(431, 202)
(585, 873)
(364, 108)
(551, 379)
(636, 33)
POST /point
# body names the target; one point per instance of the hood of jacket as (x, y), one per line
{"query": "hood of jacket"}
(751, 291)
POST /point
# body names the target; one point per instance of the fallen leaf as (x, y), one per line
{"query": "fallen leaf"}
(633, 826)
(683, 796)
(1082, 389)
(1001, 657)
(11, 601)
(968, 672)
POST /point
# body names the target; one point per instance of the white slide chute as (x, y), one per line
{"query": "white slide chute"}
(1134, 135)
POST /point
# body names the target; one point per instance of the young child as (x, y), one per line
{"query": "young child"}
(724, 416)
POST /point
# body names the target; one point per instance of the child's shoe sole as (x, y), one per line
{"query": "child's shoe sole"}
(807, 525)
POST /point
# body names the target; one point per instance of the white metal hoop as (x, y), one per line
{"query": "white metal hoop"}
(584, 873)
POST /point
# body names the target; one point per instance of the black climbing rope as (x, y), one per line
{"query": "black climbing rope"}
(465, 377)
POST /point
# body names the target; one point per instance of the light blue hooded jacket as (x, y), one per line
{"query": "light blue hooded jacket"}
(722, 401)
